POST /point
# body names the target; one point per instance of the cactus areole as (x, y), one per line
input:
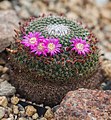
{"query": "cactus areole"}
(55, 50)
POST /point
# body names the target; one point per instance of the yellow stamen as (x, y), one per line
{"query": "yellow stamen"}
(40, 46)
(51, 46)
(32, 40)
(80, 46)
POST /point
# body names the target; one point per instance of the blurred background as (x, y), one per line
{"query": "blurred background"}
(95, 13)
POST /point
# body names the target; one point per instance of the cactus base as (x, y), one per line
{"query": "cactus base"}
(44, 92)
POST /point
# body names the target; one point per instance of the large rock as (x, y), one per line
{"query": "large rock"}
(8, 21)
(6, 89)
(84, 104)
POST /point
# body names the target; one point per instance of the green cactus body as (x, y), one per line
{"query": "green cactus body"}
(47, 78)
(67, 64)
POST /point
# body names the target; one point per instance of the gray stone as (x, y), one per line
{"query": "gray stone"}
(8, 22)
(6, 89)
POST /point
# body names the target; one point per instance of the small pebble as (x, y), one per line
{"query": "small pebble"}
(3, 101)
(5, 77)
(11, 116)
(15, 109)
(5, 4)
(22, 118)
(6, 115)
(14, 100)
(15, 117)
(49, 114)
(43, 118)
(29, 118)
(35, 116)
(6, 119)
(9, 119)
(30, 110)
(21, 108)
(9, 110)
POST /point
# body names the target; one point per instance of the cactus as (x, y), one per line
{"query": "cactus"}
(55, 50)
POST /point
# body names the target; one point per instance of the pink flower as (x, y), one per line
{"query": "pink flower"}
(40, 45)
(31, 39)
(52, 46)
(80, 46)
(40, 48)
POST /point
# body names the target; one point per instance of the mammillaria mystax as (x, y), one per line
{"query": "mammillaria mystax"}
(54, 55)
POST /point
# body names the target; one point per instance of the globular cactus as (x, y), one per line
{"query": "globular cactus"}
(56, 51)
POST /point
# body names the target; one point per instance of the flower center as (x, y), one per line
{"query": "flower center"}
(32, 40)
(80, 46)
(51, 46)
(40, 46)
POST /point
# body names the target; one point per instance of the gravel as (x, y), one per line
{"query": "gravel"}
(97, 15)
(12, 108)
